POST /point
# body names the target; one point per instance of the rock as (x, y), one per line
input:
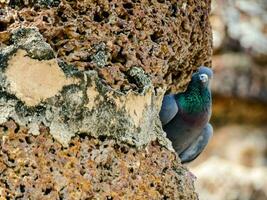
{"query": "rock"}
(236, 75)
(219, 179)
(133, 34)
(81, 85)
(38, 167)
(240, 25)
(233, 167)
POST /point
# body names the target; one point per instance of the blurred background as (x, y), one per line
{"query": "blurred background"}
(234, 165)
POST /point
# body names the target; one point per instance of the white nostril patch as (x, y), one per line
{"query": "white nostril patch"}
(203, 77)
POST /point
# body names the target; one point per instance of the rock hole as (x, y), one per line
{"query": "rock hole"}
(124, 150)
(45, 19)
(3, 26)
(11, 160)
(22, 188)
(109, 198)
(128, 5)
(28, 140)
(83, 135)
(5, 129)
(123, 16)
(116, 146)
(161, 1)
(174, 10)
(17, 128)
(164, 170)
(155, 36)
(131, 170)
(100, 16)
(165, 197)
(102, 138)
(71, 144)
(62, 16)
(52, 150)
(47, 191)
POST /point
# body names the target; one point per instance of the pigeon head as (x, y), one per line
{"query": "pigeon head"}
(202, 76)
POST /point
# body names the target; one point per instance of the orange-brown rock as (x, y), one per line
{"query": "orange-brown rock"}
(81, 85)
(38, 167)
(168, 39)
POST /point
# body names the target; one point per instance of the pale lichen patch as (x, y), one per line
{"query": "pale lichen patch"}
(32, 80)
(135, 105)
(92, 95)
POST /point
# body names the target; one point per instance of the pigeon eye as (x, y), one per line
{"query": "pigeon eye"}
(204, 78)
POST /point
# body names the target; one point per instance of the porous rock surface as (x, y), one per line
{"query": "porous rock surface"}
(38, 167)
(81, 84)
(167, 39)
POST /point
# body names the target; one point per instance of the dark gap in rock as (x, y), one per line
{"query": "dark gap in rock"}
(165, 197)
(102, 138)
(3, 26)
(131, 170)
(164, 170)
(174, 10)
(52, 150)
(22, 188)
(47, 191)
(11, 160)
(116, 146)
(61, 14)
(130, 12)
(83, 135)
(61, 197)
(128, 5)
(100, 16)
(155, 36)
(17, 128)
(5, 129)
(161, 1)
(28, 140)
(71, 144)
(45, 19)
(123, 16)
(124, 150)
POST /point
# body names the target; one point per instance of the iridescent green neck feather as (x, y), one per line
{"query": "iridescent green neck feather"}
(197, 98)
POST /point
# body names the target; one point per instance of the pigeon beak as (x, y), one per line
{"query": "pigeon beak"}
(204, 78)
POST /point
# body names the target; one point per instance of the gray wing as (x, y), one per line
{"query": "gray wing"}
(193, 151)
(169, 109)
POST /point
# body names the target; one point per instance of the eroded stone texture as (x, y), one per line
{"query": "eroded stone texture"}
(38, 167)
(33, 81)
(167, 39)
(96, 134)
(47, 91)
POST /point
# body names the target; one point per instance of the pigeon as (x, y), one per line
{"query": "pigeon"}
(185, 116)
